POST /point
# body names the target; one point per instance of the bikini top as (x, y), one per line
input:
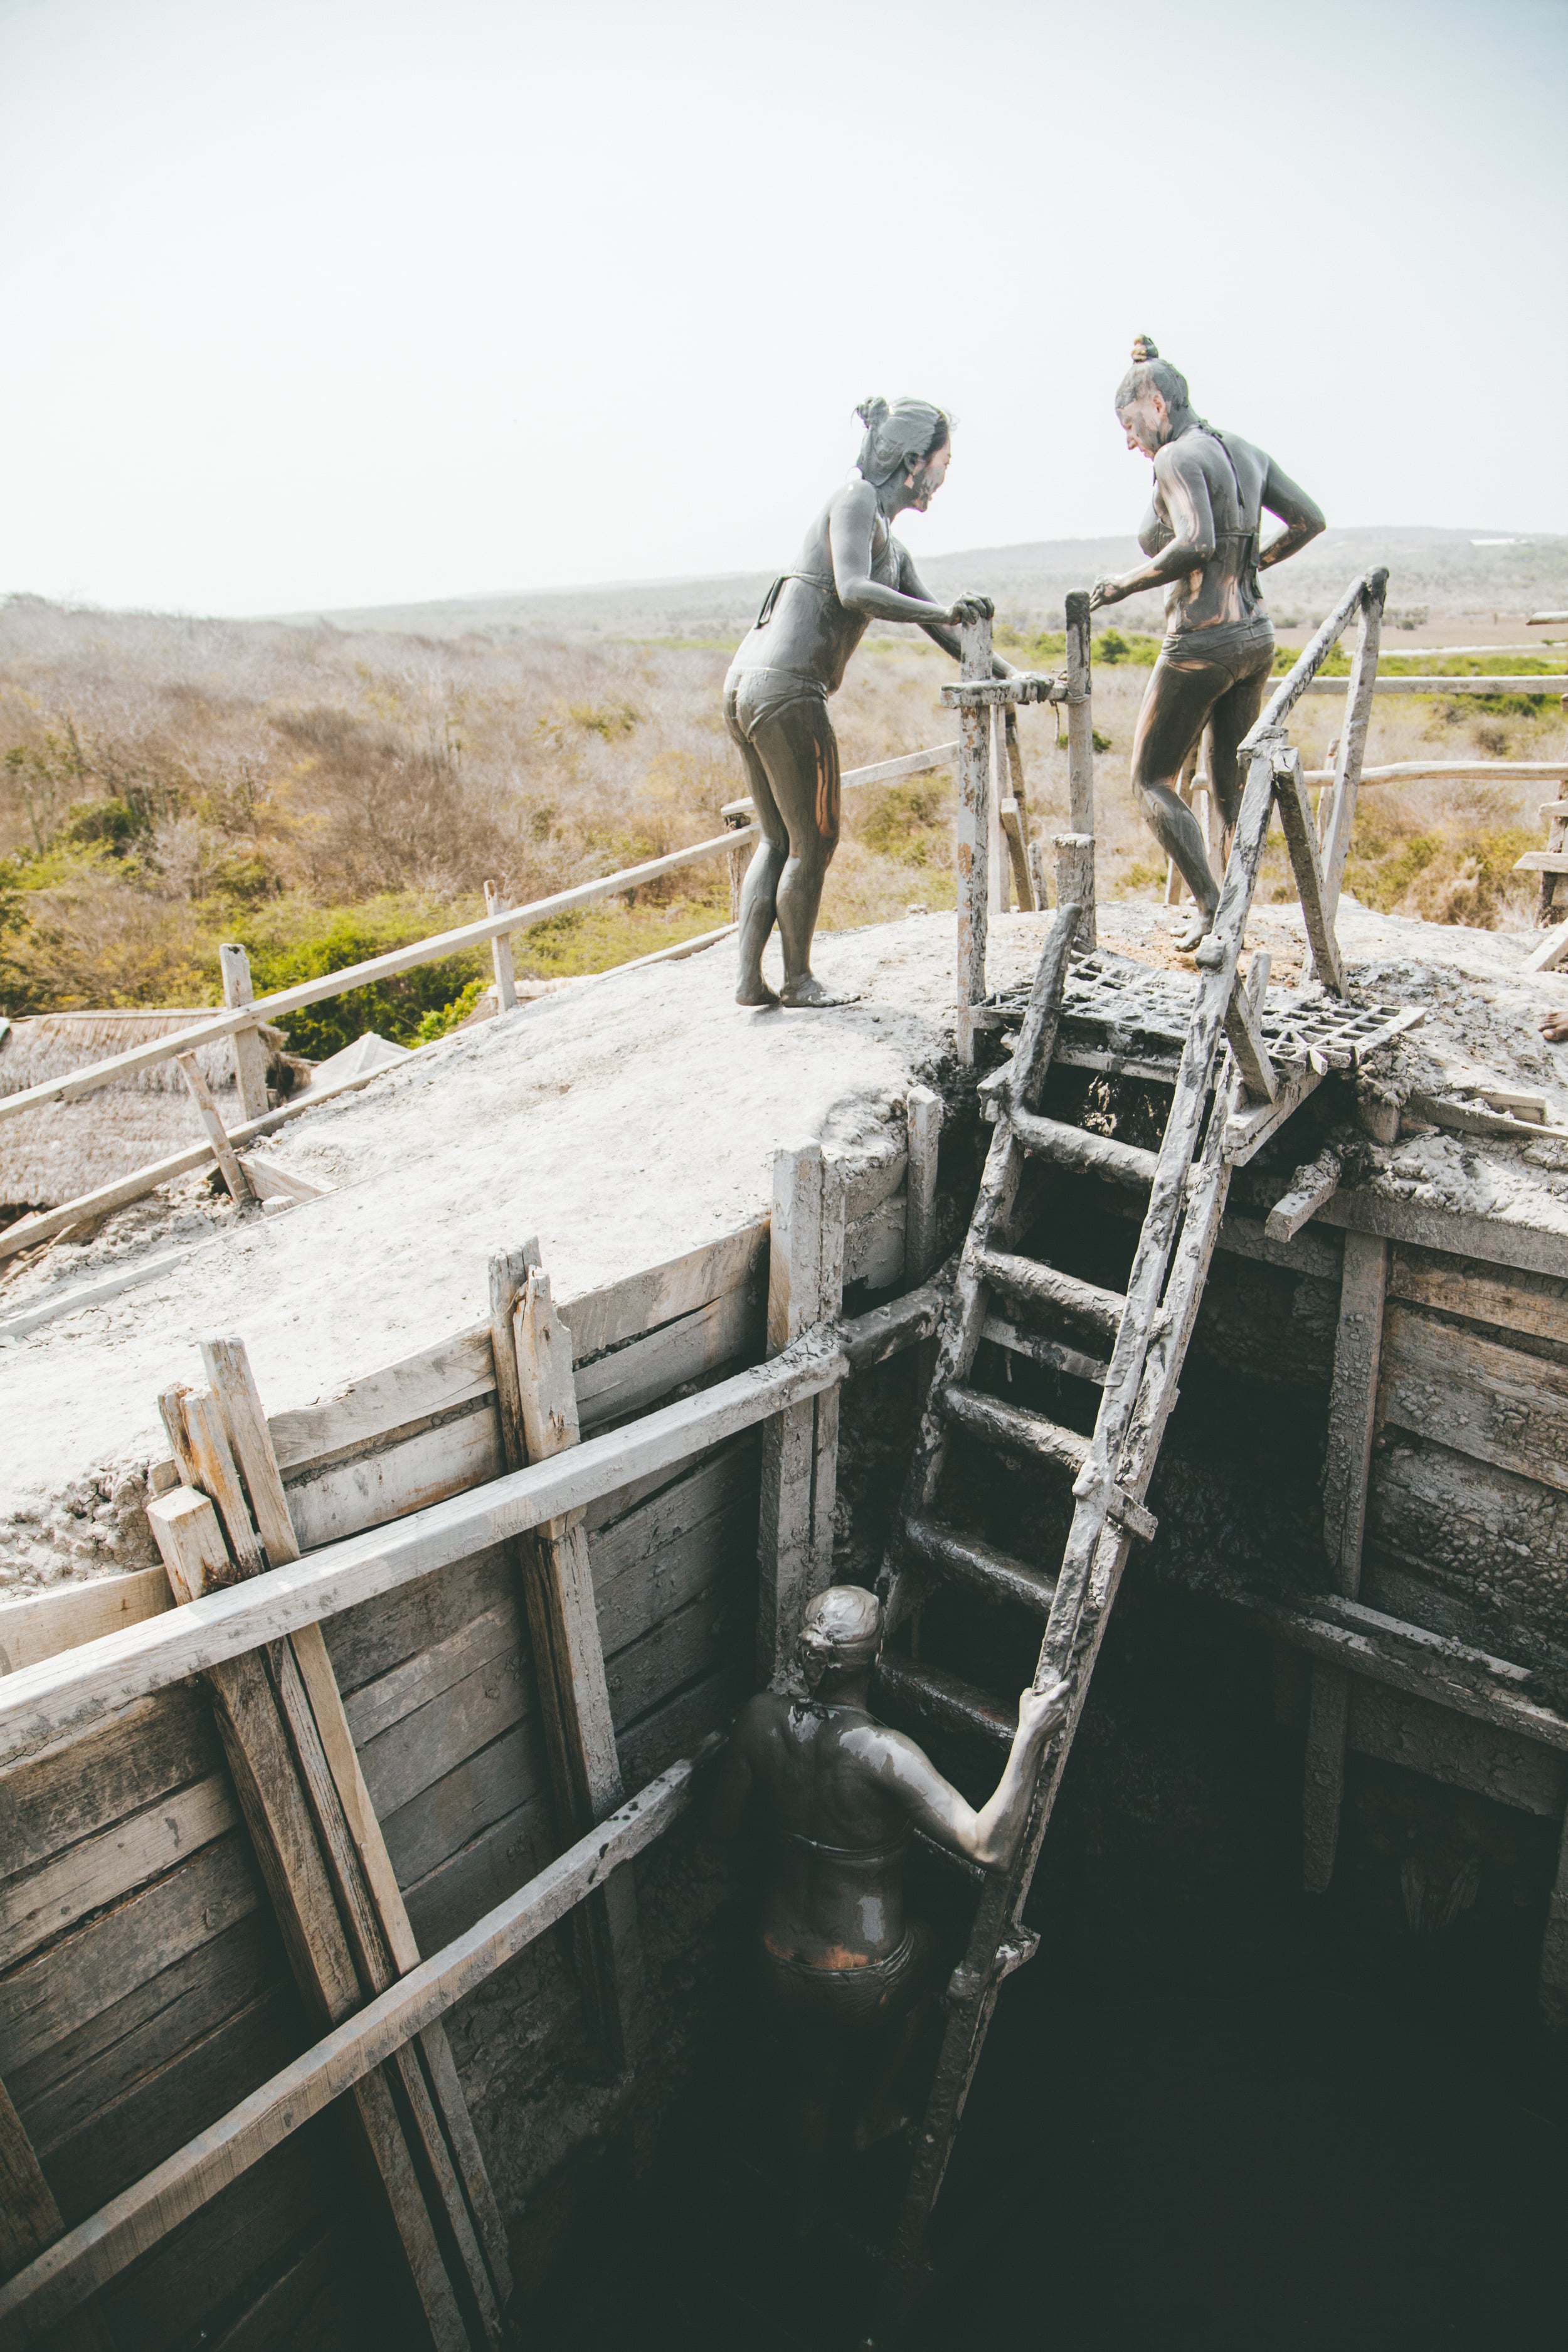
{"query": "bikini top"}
(828, 587)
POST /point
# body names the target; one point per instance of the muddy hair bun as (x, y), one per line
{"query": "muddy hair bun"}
(1144, 348)
(899, 435)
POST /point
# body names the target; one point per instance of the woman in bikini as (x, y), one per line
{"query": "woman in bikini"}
(851, 571)
(1201, 535)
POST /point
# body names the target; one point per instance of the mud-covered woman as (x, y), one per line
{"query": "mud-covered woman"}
(850, 572)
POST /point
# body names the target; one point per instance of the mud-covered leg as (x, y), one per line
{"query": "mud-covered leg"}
(800, 751)
(1176, 706)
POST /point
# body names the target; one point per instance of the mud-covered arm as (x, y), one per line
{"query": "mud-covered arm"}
(850, 528)
(990, 1834)
(1302, 517)
(974, 607)
(1178, 470)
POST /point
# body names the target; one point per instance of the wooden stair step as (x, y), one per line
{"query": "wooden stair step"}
(1016, 1428)
(1085, 1154)
(955, 1553)
(1055, 1354)
(946, 1701)
(1034, 1285)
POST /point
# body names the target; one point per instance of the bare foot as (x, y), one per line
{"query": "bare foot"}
(809, 995)
(757, 992)
(1191, 933)
(1554, 1027)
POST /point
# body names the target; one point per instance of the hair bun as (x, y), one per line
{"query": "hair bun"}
(872, 412)
(1144, 348)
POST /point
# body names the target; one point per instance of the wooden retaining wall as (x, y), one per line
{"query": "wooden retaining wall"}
(144, 1984)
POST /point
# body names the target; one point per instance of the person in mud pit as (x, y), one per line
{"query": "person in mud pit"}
(843, 1964)
(1201, 536)
(850, 572)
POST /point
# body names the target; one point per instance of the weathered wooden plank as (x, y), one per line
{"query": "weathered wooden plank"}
(685, 1649)
(455, 1722)
(685, 1544)
(65, 2087)
(398, 1397)
(398, 1628)
(1353, 1414)
(1503, 1537)
(629, 1378)
(1493, 1241)
(465, 1799)
(55, 1992)
(874, 1247)
(57, 2281)
(867, 1184)
(1398, 1728)
(496, 1860)
(407, 1688)
(923, 1114)
(1520, 1301)
(41, 1702)
(369, 1899)
(125, 2135)
(1476, 1395)
(43, 1903)
(390, 1481)
(29, 2216)
(45, 1624)
(641, 1302)
(83, 1786)
(674, 1727)
(233, 1175)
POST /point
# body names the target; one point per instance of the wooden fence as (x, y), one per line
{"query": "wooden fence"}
(144, 1865)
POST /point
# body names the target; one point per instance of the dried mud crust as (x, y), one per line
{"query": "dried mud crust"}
(624, 1123)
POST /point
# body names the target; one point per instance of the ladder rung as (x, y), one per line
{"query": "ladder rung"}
(1015, 1426)
(1025, 1279)
(996, 1572)
(1085, 1154)
(1054, 1354)
(946, 1700)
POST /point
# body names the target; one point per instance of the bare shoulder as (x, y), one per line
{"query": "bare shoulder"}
(897, 1762)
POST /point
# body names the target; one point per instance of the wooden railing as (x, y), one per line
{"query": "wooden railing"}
(239, 1020)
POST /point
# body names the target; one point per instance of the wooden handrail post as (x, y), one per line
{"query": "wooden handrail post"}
(1352, 746)
(1081, 759)
(971, 833)
(501, 951)
(248, 1045)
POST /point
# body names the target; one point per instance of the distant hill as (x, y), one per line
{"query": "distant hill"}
(1449, 572)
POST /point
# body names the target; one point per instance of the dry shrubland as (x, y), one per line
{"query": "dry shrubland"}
(321, 793)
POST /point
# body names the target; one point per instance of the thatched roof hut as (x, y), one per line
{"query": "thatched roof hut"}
(53, 1154)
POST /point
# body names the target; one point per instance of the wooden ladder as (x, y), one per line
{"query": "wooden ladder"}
(1225, 1060)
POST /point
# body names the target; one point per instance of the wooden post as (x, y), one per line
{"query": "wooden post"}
(922, 1114)
(1015, 811)
(1075, 882)
(233, 1175)
(736, 863)
(1080, 758)
(800, 1446)
(997, 899)
(30, 2220)
(1352, 1411)
(1352, 743)
(971, 833)
(538, 1398)
(249, 1046)
(320, 1849)
(501, 951)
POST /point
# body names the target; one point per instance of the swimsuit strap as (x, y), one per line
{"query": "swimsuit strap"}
(849, 1853)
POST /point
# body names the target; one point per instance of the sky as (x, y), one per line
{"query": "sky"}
(337, 304)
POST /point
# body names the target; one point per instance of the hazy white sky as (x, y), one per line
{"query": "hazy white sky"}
(324, 302)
